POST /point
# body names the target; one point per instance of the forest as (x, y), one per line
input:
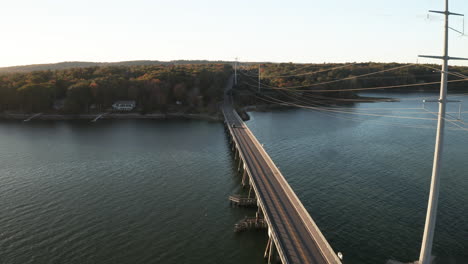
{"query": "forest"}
(155, 88)
(85, 64)
(330, 82)
(198, 87)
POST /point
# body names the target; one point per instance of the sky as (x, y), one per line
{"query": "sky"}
(301, 31)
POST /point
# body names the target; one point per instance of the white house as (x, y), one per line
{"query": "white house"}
(124, 105)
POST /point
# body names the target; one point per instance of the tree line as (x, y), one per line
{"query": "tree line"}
(161, 88)
(288, 76)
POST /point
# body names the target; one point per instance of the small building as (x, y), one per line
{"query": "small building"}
(124, 105)
(59, 104)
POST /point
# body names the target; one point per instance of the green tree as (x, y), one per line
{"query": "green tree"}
(79, 98)
(35, 97)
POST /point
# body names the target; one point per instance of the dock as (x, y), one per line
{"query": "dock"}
(98, 117)
(249, 223)
(31, 117)
(243, 201)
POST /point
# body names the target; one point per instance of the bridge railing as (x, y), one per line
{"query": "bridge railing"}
(271, 232)
(325, 248)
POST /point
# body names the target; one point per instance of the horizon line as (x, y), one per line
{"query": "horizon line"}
(206, 60)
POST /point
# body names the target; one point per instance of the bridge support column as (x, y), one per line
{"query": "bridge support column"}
(250, 192)
(240, 165)
(267, 249)
(228, 133)
(244, 178)
(236, 154)
(272, 252)
(259, 213)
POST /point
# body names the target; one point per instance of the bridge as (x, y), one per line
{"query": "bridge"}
(293, 235)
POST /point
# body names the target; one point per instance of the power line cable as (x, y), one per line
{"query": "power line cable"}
(347, 112)
(361, 119)
(344, 79)
(308, 73)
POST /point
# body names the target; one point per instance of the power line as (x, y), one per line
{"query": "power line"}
(344, 79)
(335, 114)
(364, 89)
(333, 81)
(307, 73)
(359, 76)
(374, 109)
(451, 73)
(347, 112)
(362, 119)
(305, 67)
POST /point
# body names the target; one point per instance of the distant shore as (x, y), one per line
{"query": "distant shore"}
(243, 111)
(91, 117)
(163, 116)
(332, 103)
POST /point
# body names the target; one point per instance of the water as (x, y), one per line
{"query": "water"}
(365, 179)
(156, 191)
(119, 192)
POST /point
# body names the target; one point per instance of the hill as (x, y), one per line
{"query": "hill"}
(83, 64)
(193, 88)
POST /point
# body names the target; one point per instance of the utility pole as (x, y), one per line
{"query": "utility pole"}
(426, 247)
(459, 111)
(235, 72)
(259, 78)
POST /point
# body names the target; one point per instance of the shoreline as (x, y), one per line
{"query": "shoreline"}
(108, 116)
(243, 113)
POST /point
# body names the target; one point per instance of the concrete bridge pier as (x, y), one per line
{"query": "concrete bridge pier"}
(251, 193)
(227, 132)
(270, 254)
(259, 213)
(267, 249)
(245, 179)
(240, 167)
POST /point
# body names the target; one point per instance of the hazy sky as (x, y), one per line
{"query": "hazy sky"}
(48, 31)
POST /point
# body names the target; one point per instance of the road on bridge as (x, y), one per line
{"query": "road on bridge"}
(298, 239)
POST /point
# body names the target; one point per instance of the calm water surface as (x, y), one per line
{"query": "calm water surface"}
(156, 191)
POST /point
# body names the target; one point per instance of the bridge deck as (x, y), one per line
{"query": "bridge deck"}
(297, 237)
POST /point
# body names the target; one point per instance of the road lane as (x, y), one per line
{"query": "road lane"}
(296, 237)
